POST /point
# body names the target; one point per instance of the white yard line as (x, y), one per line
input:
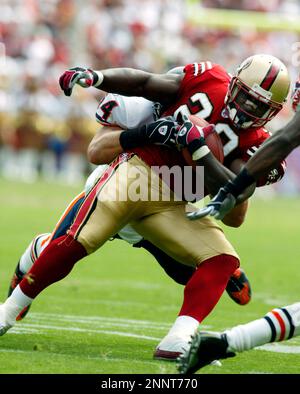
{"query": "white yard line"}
(277, 301)
(36, 323)
(103, 358)
(279, 348)
(98, 319)
(85, 330)
(132, 304)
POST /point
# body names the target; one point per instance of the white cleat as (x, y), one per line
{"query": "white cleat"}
(5, 321)
(171, 347)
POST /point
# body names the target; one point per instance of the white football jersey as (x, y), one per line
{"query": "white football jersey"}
(128, 113)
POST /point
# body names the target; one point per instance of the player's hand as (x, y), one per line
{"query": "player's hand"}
(76, 75)
(296, 97)
(162, 132)
(218, 207)
(193, 137)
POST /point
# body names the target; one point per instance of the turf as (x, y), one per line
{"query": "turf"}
(107, 316)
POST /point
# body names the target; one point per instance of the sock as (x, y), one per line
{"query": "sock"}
(54, 264)
(206, 286)
(15, 303)
(32, 252)
(278, 325)
(26, 261)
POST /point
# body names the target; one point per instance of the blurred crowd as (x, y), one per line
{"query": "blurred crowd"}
(45, 134)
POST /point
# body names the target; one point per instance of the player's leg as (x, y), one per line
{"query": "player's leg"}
(238, 287)
(180, 273)
(278, 325)
(39, 243)
(97, 220)
(26, 261)
(199, 243)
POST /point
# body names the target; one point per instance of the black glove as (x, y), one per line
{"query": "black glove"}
(161, 132)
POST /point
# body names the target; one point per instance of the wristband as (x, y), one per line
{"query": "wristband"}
(200, 153)
(198, 148)
(240, 183)
(97, 78)
(132, 138)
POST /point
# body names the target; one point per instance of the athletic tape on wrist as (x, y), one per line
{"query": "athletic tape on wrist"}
(200, 153)
(100, 78)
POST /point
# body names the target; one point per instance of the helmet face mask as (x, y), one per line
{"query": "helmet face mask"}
(247, 107)
(257, 92)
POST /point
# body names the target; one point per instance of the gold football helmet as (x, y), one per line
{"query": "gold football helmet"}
(257, 91)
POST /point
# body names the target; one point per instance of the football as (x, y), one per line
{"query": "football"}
(213, 141)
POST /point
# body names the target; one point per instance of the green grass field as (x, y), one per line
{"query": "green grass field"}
(107, 316)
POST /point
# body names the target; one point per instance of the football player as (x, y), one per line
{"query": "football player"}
(278, 325)
(281, 323)
(277, 148)
(115, 110)
(209, 92)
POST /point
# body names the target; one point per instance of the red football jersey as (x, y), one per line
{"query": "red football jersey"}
(202, 93)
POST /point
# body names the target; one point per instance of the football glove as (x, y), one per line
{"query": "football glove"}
(219, 206)
(161, 132)
(84, 77)
(296, 97)
(193, 137)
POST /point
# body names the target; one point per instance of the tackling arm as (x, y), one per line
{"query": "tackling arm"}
(215, 176)
(125, 81)
(236, 217)
(131, 82)
(270, 154)
(105, 146)
(276, 149)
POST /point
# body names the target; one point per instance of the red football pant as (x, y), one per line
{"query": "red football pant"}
(204, 289)
(56, 262)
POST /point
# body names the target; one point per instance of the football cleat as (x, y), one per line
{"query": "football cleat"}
(238, 287)
(15, 280)
(205, 348)
(5, 321)
(170, 348)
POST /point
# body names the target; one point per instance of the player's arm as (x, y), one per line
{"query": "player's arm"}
(237, 216)
(109, 142)
(105, 146)
(274, 150)
(269, 155)
(125, 81)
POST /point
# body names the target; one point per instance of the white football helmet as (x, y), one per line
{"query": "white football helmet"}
(257, 91)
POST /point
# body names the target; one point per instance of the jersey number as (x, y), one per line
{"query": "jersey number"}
(106, 109)
(232, 139)
(200, 105)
